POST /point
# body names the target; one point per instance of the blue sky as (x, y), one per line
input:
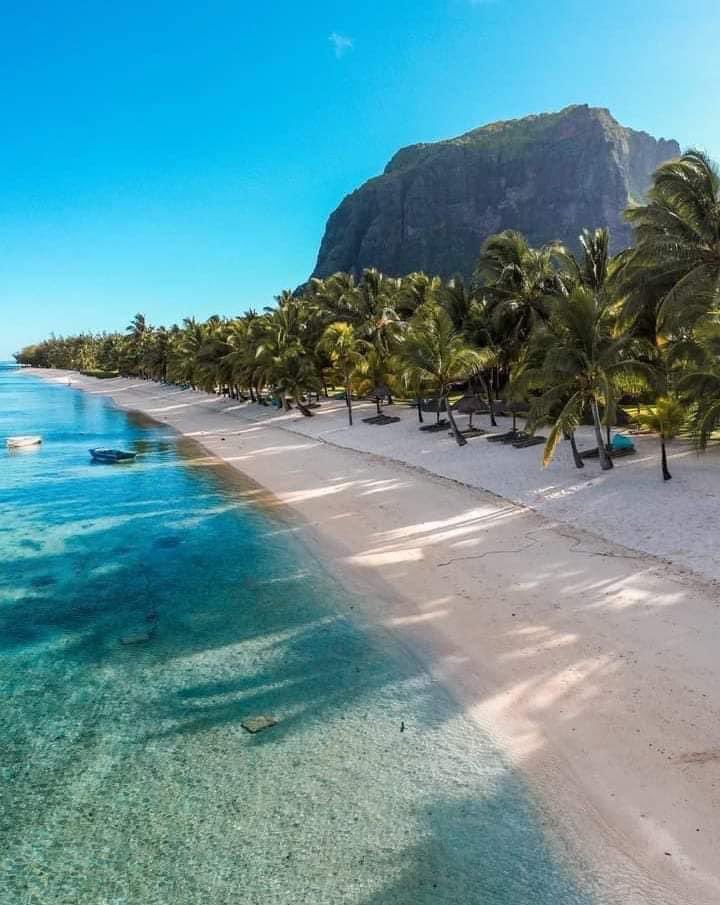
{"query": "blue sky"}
(181, 159)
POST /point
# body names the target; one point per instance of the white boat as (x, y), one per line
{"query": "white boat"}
(22, 442)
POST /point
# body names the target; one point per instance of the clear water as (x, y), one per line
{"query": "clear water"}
(126, 776)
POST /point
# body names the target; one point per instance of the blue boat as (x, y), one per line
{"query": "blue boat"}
(111, 456)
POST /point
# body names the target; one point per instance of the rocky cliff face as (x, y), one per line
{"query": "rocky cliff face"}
(547, 176)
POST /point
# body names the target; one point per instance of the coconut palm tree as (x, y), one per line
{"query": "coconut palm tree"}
(700, 387)
(675, 265)
(415, 290)
(578, 363)
(188, 342)
(282, 360)
(667, 419)
(457, 298)
(521, 283)
(375, 369)
(592, 269)
(344, 349)
(434, 352)
(139, 331)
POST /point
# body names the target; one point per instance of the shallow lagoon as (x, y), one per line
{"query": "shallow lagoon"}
(126, 775)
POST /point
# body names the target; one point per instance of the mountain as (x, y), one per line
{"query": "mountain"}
(548, 176)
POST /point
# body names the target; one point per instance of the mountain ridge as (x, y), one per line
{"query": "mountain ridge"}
(548, 175)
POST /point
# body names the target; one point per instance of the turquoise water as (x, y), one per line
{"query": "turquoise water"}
(126, 775)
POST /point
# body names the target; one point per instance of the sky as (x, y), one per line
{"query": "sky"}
(181, 159)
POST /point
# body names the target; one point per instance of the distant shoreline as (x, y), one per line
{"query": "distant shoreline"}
(595, 669)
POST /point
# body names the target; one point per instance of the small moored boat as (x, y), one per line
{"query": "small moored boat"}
(111, 456)
(22, 442)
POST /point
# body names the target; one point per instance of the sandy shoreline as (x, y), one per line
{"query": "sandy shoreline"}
(594, 665)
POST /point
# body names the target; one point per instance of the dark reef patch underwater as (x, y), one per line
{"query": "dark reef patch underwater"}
(126, 774)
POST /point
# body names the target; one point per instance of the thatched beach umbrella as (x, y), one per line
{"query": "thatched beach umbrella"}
(515, 409)
(435, 406)
(379, 394)
(471, 404)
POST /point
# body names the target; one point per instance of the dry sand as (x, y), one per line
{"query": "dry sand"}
(594, 665)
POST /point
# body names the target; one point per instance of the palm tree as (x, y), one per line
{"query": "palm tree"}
(345, 351)
(593, 268)
(521, 283)
(155, 358)
(700, 387)
(282, 359)
(578, 363)
(666, 419)
(675, 267)
(139, 331)
(189, 341)
(434, 352)
(373, 370)
(138, 327)
(295, 377)
(416, 289)
(457, 299)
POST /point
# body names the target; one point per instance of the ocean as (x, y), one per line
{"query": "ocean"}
(126, 775)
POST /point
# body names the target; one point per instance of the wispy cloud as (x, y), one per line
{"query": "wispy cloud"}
(341, 44)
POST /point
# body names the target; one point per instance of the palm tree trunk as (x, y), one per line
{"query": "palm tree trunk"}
(459, 439)
(348, 401)
(666, 474)
(419, 410)
(303, 408)
(606, 463)
(491, 405)
(489, 395)
(576, 455)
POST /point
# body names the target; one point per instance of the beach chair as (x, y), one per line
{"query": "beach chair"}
(437, 426)
(470, 432)
(529, 441)
(507, 437)
(381, 420)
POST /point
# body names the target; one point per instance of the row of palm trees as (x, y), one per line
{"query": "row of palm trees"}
(569, 333)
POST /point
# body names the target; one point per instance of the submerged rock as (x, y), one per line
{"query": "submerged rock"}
(138, 638)
(168, 541)
(258, 723)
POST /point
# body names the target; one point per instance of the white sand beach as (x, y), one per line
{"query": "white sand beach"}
(574, 613)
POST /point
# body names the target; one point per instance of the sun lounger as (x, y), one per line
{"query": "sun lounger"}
(508, 436)
(381, 420)
(470, 433)
(438, 426)
(529, 441)
(613, 453)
